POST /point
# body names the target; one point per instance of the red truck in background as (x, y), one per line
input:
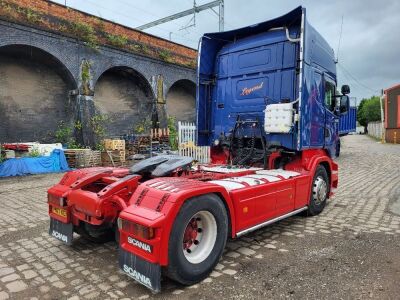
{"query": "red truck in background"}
(267, 102)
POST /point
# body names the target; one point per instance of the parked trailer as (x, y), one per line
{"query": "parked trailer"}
(267, 103)
(348, 121)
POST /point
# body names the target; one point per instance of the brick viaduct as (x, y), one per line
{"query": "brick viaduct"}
(48, 78)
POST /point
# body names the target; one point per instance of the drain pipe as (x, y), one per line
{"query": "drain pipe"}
(382, 118)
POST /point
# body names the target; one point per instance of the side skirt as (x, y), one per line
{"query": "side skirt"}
(292, 213)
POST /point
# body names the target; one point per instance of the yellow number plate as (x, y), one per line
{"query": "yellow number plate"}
(59, 211)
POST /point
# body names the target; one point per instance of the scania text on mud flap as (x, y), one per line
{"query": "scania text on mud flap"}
(139, 244)
(267, 102)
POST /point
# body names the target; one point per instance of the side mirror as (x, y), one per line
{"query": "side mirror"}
(345, 89)
(344, 104)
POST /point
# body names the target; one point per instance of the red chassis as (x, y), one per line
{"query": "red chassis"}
(180, 223)
(91, 199)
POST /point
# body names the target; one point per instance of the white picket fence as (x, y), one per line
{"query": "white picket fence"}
(375, 129)
(187, 143)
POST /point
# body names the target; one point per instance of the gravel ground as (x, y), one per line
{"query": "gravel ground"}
(349, 251)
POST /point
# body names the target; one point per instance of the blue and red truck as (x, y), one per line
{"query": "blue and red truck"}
(267, 104)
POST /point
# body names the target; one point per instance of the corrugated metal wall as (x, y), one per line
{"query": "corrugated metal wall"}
(392, 136)
(392, 108)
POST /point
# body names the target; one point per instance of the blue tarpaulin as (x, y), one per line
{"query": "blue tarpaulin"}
(54, 163)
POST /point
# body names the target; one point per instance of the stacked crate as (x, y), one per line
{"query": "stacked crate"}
(110, 144)
(114, 153)
(141, 145)
(82, 158)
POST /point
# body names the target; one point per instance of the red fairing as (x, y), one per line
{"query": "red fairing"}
(156, 203)
(309, 161)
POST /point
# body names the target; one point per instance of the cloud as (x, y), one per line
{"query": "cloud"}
(369, 47)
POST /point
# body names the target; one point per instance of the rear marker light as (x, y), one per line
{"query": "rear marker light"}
(60, 201)
(63, 201)
(136, 229)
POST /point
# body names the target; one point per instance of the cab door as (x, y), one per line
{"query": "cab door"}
(331, 116)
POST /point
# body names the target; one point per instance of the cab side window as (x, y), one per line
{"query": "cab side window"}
(330, 95)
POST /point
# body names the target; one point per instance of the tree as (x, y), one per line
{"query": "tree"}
(360, 113)
(369, 110)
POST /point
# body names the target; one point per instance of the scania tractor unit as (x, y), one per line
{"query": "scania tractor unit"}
(268, 108)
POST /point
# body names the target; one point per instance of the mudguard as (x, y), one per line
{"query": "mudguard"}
(309, 161)
(156, 204)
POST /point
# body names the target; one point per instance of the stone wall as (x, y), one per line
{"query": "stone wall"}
(65, 80)
(93, 31)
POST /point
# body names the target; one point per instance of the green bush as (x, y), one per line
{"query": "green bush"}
(173, 133)
(72, 144)
(142, 127)
(2, 158)
(369, 110)
(63, 133)
(97, 124)
(86, 77)
(34, 152)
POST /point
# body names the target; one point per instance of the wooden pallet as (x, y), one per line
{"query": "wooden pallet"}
(82, 158)
(113, 158)
(114, 144)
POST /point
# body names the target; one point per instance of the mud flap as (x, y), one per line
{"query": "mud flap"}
(142, 271)
(61, 231)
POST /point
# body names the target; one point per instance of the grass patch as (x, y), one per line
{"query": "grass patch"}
(118, 41)
(165, 55)
(84, 32)
(32, 16)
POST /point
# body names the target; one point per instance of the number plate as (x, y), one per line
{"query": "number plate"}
(61, 231)
(142, 271)
(60, 212)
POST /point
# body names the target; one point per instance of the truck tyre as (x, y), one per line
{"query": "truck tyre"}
(197, 239)
(319, 192)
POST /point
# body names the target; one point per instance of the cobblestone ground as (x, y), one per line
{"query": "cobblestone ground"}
(349, 251)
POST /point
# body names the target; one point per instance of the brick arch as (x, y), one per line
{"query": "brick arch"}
(181, 80)
(181, 100)
(126, 97)
(65, 66)
(180, 76)
(124, 68)
(34, 94)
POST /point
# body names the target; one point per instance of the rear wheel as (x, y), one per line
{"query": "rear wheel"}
(319, 192)
(197, 239)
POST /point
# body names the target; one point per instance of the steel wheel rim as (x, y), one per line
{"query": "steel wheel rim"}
(199, 237)
(320, 190)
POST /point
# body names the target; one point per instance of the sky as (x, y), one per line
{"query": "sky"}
(368, 56)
